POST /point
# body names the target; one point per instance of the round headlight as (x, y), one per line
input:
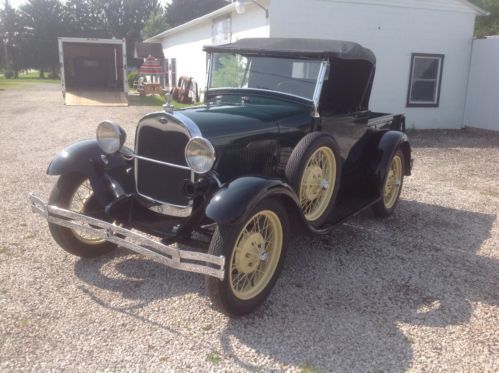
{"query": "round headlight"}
(110, 137)
(199, 155)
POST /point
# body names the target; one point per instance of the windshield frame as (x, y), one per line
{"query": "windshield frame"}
(323, 69)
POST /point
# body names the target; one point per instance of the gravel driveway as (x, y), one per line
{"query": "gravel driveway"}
(417, 292)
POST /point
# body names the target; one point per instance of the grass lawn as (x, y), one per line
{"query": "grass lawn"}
(153, 101)
(24, 80)
(32, 77)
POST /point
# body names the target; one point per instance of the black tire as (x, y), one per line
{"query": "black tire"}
(66, 238)
(223, 243)
(299, 160)
(380, 209)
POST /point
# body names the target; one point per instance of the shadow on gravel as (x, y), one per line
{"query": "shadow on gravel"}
(141, 282)
(339, 305)
(341, 299)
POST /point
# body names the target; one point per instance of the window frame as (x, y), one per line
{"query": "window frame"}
(221, 38)
(422, 104)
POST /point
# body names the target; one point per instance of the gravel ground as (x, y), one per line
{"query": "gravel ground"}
(416, 292)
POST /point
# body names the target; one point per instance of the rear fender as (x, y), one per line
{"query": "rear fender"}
(233, 203)
(109, 175)
(388, 145)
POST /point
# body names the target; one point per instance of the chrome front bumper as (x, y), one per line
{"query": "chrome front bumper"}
(189, 261)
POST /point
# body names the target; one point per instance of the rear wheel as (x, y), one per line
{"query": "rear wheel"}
(74, 192)
(254, 253)
(313, 171)
(392, 188)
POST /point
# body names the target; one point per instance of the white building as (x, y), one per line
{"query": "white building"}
(482, 105)
(423, 47)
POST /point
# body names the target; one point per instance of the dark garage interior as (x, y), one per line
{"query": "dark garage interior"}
(93, 66)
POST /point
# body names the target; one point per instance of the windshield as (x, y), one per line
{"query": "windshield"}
(290, 76)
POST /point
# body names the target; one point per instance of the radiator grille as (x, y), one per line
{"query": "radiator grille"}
(160, 182)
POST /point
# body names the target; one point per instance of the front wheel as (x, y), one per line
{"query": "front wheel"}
(74, 192)
(254, 252)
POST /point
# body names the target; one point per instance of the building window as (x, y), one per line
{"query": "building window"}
(221, 30)
(425, 80)
(305, 70)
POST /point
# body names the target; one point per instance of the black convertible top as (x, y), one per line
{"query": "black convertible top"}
(305, 48)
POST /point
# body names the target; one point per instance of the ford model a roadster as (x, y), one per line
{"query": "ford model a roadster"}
(285, 138)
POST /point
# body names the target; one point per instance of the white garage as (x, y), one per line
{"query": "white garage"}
(423, 47)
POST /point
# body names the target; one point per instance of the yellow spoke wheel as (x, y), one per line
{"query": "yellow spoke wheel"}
(317, 183)
(254, 251)
(256, 255)
(393, 183)
(390, 191)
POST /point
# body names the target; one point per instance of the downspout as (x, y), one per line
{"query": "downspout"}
(463, 125)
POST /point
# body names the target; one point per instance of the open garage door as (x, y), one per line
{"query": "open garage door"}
(93, 71)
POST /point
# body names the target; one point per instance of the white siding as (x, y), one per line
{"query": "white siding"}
(482, 107)
(393, 32)
(393, 29)
(187, 45)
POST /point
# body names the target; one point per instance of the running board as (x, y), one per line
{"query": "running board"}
(183, 260)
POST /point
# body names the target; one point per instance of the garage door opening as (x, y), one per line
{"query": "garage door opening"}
(93, 71)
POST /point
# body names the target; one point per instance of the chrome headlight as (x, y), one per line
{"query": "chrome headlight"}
(110, 137)
(200, 155)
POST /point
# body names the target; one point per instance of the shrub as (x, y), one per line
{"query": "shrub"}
(131, 78)
(9, 74)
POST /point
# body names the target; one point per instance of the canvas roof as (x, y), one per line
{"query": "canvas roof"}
(292, 47)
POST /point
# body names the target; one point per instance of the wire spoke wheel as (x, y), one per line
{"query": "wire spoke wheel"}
(74, 192)
(317, 183)
(256, 255)
(254, 250)
(393, 183)
(79, 202)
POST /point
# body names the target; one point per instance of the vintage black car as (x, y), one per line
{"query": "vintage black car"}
(284, 142)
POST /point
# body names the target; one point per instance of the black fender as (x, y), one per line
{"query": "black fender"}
(233, 203)
(388, 145)
(109, 175)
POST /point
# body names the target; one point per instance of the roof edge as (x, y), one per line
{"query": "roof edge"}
(479, 11)
(219, 12)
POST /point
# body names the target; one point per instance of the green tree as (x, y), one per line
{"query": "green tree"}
(181, 11)
(43, 21)
(82, 18)
(155, 25)
(124, 19)
(487, 25)
(11, 31)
